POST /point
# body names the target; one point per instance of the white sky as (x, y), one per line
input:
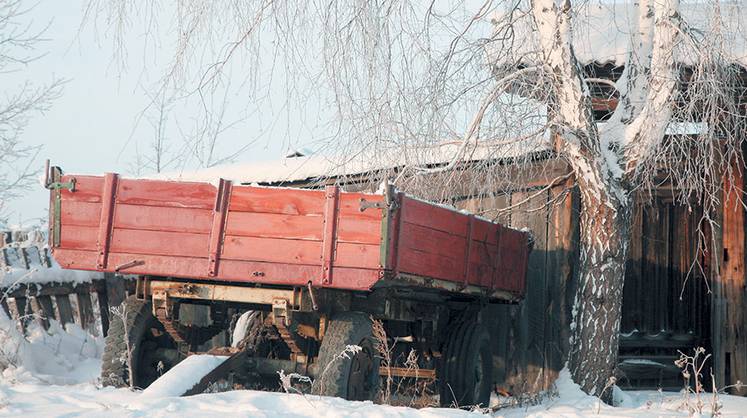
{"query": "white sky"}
(92, 127)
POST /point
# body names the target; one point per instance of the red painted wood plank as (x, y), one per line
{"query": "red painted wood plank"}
(231, 270)
(166, 193)
(272, 225)
(483, 230)
(267, 273)
(277, 200)
(430, 265)
(154, 218)
(272, 249)
(159, 265)
(480, 274)
(159, 242)
(295, 275)
(434, 217)
(484, 253)
(357, 255)
(513, 260)
(482, 260)
(359, 230)
(75, 259)
(431, 241)
(355, 278)
(79, 237)
(80, 213)
(87, 188)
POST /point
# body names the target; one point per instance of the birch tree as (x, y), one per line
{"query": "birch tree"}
(19, 40)
(501, 76)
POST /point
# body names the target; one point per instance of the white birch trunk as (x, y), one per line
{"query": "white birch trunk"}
(604, 165)
(604, 219)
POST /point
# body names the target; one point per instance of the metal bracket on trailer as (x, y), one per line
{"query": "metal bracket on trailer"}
(282, 320)
(52, 176)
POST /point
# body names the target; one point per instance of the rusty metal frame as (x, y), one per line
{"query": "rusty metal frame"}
(411, 280)
(52, 182)
(281, 318)
(224, 293)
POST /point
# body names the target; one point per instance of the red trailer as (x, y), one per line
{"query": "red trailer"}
(308, 271)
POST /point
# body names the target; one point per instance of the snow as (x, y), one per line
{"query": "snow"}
(644, 362)
(602, 32)
(56, 376)
(57, 356)
(241, 328)
(36, 398)
(41, 275)
(318, 165)
(184, 376)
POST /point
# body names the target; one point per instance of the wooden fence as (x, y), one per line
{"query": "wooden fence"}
(85, 303)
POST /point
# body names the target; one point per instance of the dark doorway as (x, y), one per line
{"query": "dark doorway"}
(666, 303)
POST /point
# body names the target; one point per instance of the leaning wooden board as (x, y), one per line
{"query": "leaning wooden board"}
(236, 233)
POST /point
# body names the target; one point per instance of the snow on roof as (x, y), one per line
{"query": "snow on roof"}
(299, 168)
(602, 32)
(315, 166)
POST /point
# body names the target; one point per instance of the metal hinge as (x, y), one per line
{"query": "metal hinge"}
(50, 182)
(367, 204)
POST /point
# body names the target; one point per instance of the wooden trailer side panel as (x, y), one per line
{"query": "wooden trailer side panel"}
(182, 229)
(278, 236)
(444, 244)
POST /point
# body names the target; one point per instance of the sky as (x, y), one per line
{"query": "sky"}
(97, 126)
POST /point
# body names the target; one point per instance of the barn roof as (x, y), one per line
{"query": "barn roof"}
(307, 167)
(316, 166)
(602, 32)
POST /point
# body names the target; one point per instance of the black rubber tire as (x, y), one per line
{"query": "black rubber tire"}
(146, 335)
(466, 372)
(351, 377)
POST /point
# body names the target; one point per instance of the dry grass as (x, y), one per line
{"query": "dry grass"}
(695, 399)
(412, 392)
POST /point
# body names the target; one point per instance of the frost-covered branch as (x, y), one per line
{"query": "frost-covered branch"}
(647, 128)
(18, 103)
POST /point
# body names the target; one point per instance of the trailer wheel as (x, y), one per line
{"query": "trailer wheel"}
(467, 367)
(344, 374)
(153, 350)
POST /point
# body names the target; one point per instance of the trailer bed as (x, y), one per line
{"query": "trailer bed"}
(279, 236)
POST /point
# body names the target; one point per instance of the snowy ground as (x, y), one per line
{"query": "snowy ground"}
(55, 376)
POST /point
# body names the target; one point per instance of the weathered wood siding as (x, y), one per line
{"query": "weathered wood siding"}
(666, 304)
(729, 288)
